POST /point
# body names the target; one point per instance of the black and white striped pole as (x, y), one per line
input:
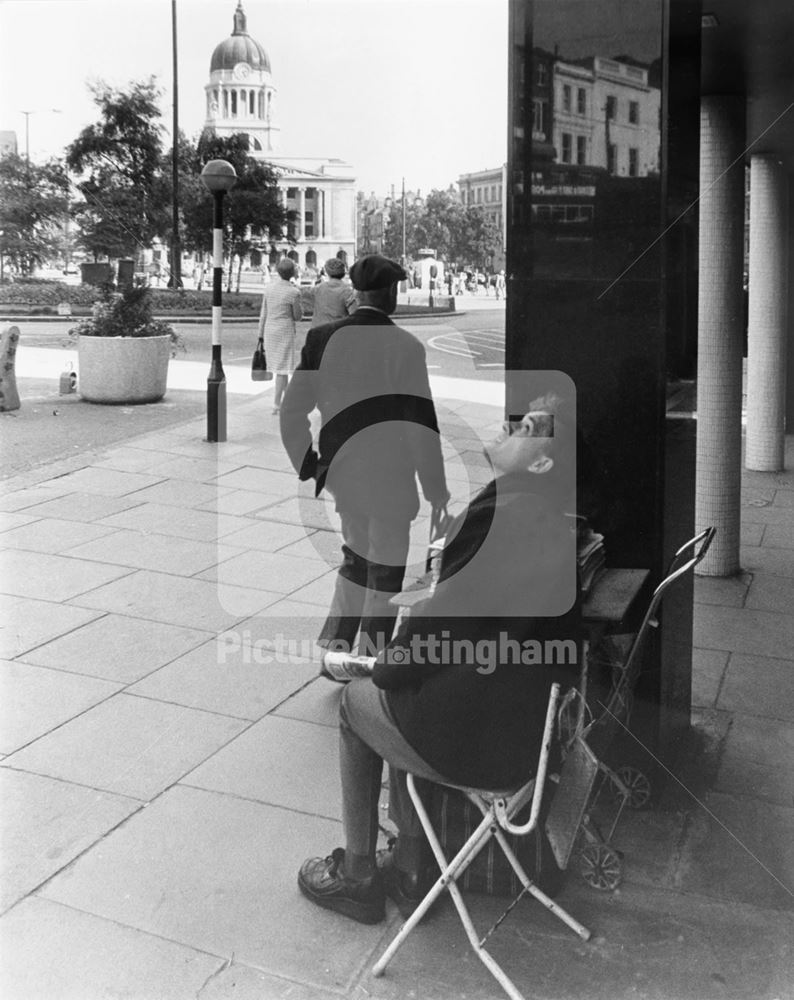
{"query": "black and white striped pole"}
(218, 177)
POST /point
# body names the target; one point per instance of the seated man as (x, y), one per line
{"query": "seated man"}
(460, 694)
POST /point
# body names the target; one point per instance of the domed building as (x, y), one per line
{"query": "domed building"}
(317, 192)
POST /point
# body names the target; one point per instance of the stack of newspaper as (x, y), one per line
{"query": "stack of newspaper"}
(590, 556)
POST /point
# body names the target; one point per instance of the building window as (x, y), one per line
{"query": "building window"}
(634, 112)
(612, 158)
(634, 161)
(612, 107)
(567, 147)
(581, 101)
(251, 103)
(234, 104)
(566, 97)
(479, 195)
(581, 150)
(541, 74)
(539, 116)
(308, 224)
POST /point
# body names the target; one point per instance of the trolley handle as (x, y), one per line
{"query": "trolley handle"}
(674, 571)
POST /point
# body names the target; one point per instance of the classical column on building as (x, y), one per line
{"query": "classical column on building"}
(720, 330)
(301, 213)
(768, 295)
(320, 213)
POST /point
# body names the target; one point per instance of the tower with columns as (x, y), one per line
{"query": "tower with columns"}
(317, 192)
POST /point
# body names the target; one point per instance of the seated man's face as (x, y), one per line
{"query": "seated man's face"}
(523, 445)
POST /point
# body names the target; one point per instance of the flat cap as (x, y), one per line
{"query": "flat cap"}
(373, 271)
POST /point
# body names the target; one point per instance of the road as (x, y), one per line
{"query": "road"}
(49, 426)
(469, 345)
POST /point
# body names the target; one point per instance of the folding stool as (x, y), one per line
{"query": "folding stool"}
(498, 809)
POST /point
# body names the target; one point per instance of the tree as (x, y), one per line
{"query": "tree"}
(254, 217)
(456, 232)
(34, 202)
(119, 160)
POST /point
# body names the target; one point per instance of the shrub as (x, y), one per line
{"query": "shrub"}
(125, 314)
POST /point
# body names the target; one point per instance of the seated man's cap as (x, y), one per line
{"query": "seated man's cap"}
(374, 271)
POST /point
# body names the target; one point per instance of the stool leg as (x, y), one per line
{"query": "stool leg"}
(541, 896)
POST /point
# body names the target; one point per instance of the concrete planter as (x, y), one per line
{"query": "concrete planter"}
(122, 369)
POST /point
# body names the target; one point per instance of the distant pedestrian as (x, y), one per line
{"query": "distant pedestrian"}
(368, 378)
(333, 299)
(281, 309)
(500, 285)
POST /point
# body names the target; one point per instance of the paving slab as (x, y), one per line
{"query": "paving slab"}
(45, 825)
(181, 522)
(194, 469)
(117, 648)
(740, 849)
(319, 592)
(85, 507)
(730, 592)
(756, 760)
(310, 513)
(131, 459)
(778, 561)
(239, 502)
(288, 623)
(145, 550)
(34, 700)
(269, 536)
(231, 675)
(743, 630)
(45, 577)
(281, 762)
(751, 533)
(106, 482)
(759, 685)
(274, 572)
(26, 623)
(708, 668)
(55, 535)
(53, 952)
(649, 944)
(175, 600)
(128, 745)
(772, 593)
(218, 874)
(182, 493)
(10, 521)
(244, 983)
(260, 480)
(317, 703)
(16, 499)
(780, 535)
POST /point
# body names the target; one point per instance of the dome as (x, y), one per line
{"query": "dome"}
(239, 48)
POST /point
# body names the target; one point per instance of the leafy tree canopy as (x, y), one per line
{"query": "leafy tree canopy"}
(33, 207)
(118, 159)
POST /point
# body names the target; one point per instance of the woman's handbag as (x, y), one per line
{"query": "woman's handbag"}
(259, 372)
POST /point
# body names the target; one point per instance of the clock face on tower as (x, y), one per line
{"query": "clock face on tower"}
(241, 70)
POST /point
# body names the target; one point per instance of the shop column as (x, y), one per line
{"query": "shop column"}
(768, 294)
(720, 330)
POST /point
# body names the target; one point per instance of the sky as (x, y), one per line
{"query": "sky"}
(398, 88)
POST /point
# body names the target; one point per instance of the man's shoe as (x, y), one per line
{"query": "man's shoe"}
(403, 888)
(344, 667)
(322, 880)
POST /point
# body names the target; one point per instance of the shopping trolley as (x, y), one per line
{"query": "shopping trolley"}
(587, 725)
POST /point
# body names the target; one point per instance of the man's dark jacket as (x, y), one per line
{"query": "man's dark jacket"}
(368, 378)
(473, 724)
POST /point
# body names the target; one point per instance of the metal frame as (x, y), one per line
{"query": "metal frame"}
(498, 809)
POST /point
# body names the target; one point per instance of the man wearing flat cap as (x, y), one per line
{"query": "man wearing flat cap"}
(333, 299)
(379, 432)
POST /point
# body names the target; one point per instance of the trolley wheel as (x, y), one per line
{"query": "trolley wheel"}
(600, 867)
(638, 785)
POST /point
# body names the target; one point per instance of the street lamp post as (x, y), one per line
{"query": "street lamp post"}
(218, 177)
(27, 114)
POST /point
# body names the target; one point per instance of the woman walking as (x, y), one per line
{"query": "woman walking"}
(333, 299)
(281, 309)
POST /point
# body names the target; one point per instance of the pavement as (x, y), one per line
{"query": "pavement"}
(169, 755)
